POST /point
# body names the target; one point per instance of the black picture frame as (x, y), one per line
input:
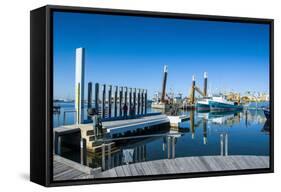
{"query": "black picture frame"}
(41, 93)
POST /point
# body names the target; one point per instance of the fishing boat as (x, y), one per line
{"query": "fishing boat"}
(266, 112)
(202, 104)
(219, 103)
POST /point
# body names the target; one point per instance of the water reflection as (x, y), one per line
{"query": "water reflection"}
(211, 133)
(169, 145)
(224, 144)
(266, 127)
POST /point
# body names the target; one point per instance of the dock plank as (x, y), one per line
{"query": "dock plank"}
(193, 164)
(146, 168)
(126, 170)
(64, 169)
(139, 168)
(119, 171)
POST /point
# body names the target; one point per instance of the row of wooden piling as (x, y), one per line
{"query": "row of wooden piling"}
(135, 100)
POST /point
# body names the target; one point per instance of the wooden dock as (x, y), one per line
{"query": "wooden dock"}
(110, 127)
(120, 126)
(187, 165)
(65, 169)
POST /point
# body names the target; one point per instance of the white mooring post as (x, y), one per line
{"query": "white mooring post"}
(226, 144)
(59, 145)
(83, 151)
(221, 142)
(79, 85)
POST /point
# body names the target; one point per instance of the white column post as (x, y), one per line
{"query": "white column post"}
(79, 85)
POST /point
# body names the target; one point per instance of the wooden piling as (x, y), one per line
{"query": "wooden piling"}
(163, 95)
(109, 100)
(83, 151)
(130, 100)
(226, 144)
(142, 101)
(103, 156)
(138, 102)
(221, 143)
(109, 156)
(120, 101)
(115, 101)
(125, 100)
(173, 147)
(90, 95)
(168, 146)
(134, 100)
(97, 96)
(204, 131)
(205, 83)
(192, 122)
(145, 102)
(193, 90)
(59, 146)
(103, 101)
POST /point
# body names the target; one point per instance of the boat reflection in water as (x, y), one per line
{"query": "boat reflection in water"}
(266, 127)
(204, 134)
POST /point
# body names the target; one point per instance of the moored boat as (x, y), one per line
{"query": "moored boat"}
(202, 105)
(219, 103)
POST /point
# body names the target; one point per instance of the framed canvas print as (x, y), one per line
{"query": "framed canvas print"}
(119, 95)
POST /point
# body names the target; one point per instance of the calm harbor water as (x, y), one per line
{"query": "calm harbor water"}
(229, 133)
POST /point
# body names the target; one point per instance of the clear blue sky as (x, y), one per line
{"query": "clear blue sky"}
(131, 51)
